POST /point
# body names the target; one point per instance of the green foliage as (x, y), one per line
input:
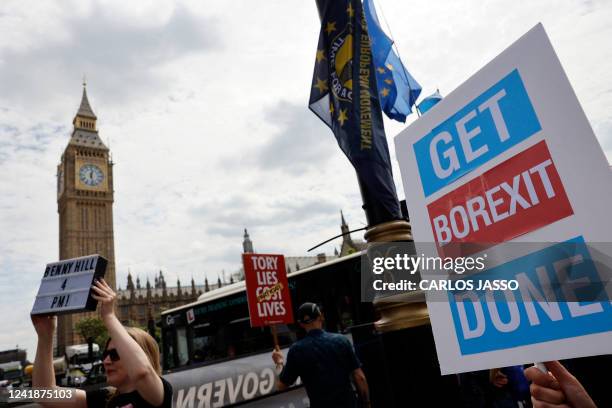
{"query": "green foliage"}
(93, 327)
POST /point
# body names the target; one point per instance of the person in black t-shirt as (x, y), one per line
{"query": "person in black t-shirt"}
(130, 358)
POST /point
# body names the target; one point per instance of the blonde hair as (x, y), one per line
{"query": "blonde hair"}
(147, 344)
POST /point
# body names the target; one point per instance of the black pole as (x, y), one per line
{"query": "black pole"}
(375, 212)
(151, 328)
(90, 356)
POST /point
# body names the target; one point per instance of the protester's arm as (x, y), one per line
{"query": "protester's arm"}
(287, 376)
(279, 360)
(43, 375)
(362, 387)
(558, 388)
(139, 369)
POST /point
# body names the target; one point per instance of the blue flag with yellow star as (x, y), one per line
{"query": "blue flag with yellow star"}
(344, 95)
(429, 102)
(398, 90)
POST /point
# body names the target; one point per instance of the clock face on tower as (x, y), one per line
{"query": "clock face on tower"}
(91, 175)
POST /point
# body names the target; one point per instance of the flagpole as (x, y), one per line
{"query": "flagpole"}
(373, 217)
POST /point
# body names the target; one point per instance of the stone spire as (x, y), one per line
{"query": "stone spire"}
(343, 225)
(247, 244)
(138, 282)
(85, 107)
(85, 118)
(161, 280)
(348, 246)
(163, 284)
(206, 286)
(130, 282)
(193, 289)
(178, 287)
(148, 288)
(346, 236)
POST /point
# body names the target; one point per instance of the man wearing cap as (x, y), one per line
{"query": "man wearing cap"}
(325, 362)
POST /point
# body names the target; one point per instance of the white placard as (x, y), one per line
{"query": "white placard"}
(66, 285)
(509, 156)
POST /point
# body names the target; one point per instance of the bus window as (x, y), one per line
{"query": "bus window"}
(213, 342)
(203, 343)
(345, 312)
(245, 339)
(181, 346)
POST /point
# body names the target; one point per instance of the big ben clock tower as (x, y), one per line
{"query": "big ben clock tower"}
(85, 206)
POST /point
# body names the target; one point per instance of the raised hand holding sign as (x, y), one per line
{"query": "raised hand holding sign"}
(105, 295)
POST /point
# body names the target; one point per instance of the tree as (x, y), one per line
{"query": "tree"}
(93, 327)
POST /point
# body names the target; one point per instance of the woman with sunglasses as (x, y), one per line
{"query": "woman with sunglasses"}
(131, 361)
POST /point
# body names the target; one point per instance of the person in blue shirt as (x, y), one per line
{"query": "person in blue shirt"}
(325, 362)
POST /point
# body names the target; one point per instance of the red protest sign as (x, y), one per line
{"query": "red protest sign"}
(267, 289)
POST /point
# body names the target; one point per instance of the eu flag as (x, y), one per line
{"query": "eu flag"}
(345, 96)
(398, 90)
(429, 102)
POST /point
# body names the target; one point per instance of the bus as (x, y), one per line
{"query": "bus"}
(213, 357)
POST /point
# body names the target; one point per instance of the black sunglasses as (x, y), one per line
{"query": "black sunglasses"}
(112, 353)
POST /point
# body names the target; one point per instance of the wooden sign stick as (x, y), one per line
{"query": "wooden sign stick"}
(275, 340)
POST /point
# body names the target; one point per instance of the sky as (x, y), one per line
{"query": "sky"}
(204, 107)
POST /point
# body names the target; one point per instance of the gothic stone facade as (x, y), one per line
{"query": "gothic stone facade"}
(138, 305)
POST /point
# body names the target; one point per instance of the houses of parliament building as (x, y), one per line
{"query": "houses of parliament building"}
(85, 197)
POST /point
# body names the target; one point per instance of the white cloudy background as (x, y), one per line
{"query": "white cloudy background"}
(204, 104)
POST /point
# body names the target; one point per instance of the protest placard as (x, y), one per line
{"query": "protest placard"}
(267, 289)
(509, 157)
(66, 285)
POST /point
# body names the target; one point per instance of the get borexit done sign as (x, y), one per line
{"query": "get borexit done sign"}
(66, 285)
(509, 157)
